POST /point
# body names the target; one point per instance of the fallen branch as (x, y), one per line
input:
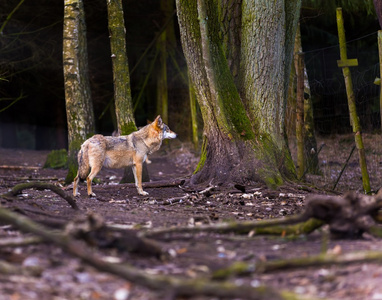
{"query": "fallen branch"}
(176, 285)
(319, 261)
(20, 241)
(292, 230)
(6, 167)
(17, 189)
(231, 227)
(151, 184)
(242, 268)
(28, 178)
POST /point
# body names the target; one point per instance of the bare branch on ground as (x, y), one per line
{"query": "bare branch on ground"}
(17, 189)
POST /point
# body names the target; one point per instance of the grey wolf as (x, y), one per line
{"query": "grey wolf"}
(119, 152)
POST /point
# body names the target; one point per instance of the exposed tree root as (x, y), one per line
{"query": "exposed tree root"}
(17, 189)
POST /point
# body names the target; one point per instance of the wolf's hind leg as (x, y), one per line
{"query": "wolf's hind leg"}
(93, 173)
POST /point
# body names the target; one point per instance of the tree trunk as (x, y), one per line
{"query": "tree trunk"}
(162, 90)
(79, 107)
(166, 44)
(193, 109)
(121, 76)
(310, 143)
(244, 138)
(300, 132)
(378, 10)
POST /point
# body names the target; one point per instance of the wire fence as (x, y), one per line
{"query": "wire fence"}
(328, 86)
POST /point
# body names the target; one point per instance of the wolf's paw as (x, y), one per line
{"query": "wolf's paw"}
(91, 195)
(143, 193)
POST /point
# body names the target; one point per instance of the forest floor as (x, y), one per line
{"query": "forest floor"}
(62, 276)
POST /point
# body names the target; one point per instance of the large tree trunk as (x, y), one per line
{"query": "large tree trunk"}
(79, 107)
(244, 138)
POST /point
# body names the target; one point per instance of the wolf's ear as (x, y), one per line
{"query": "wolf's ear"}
(158, 122)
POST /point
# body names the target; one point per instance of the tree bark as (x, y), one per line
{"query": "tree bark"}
(193, 108)
(244, 138)
(79, 107)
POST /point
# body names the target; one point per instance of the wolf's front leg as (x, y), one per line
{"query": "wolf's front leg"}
(137, 171)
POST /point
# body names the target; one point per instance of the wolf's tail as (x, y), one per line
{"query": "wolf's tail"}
(83, 161)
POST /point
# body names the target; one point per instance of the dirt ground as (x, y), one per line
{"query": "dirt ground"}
(60, 276)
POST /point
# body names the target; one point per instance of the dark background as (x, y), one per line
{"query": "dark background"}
(31, 69)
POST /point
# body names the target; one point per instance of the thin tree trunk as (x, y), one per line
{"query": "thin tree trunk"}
(300, 115)
(162, 89)
(380, 72)
(310, 143)
(79, 107)
(166, 44)
(121, 76)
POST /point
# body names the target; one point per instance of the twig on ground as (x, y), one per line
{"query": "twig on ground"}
(7, 167)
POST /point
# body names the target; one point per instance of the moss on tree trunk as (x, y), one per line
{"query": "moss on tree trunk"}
(238, 147)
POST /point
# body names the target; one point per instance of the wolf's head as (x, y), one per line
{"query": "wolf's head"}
(166, 131)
